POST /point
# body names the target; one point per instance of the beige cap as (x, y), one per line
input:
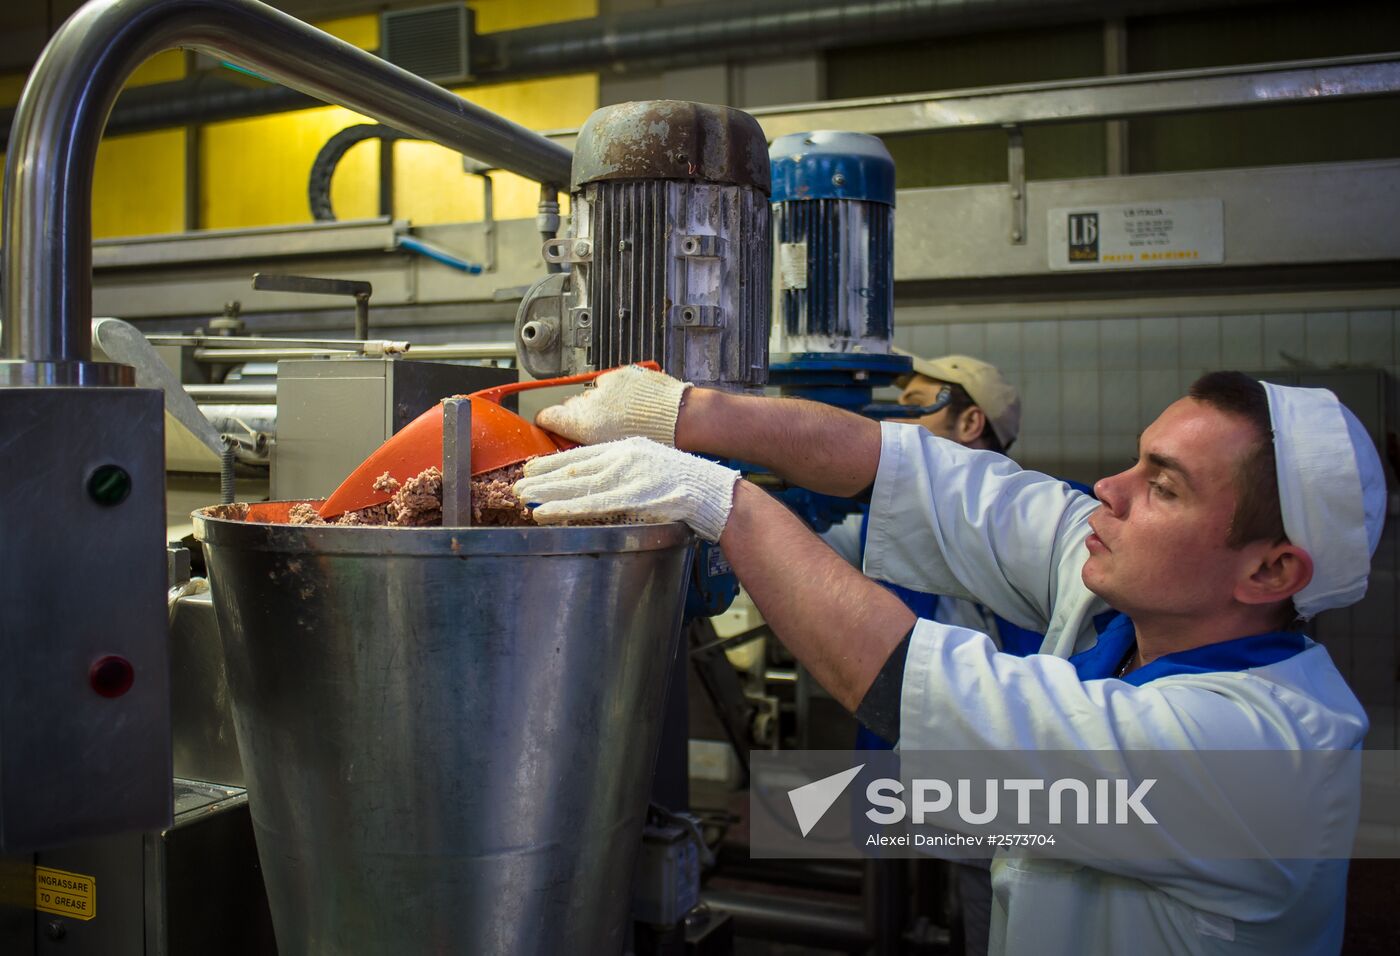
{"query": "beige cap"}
(996, 397)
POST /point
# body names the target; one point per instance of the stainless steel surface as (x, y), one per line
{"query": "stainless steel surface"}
(801, 921)
(1274, 216)
(201, 713)
(53, 149)
(448, 733)
(81, 580)
(185, 425)
(456, 463)
(1096, 98)
(358, 290)
(1016, 182)
(191, 888)
(332, 414)
(86, 373)
(372, 346)
(271, 353)
(227, 245)
(251, 393)
(274, 352)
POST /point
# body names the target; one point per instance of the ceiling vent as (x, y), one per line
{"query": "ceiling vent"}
(428, 41)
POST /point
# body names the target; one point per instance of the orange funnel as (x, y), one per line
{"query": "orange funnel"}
(499, 438)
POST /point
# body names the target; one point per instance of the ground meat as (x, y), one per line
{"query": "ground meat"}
(493, 501)
(418, 502)
(305, 513)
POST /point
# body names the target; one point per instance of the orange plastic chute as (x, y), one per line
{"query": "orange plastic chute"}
(499, 438)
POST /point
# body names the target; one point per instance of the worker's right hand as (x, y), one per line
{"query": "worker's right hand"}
(625, 403)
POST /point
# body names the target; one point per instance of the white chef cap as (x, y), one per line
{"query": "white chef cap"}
(1331, 488)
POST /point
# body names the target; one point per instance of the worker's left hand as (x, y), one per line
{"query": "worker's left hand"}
(633, 478)
(622, 403)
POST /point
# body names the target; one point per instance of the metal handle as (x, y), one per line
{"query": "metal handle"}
(314, 285)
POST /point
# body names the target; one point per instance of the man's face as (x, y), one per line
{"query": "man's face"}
(1159, 536)
(923, 391)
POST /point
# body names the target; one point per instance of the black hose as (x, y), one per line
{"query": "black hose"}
(318, 190)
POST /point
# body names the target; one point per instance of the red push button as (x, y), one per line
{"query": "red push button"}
(111, 676)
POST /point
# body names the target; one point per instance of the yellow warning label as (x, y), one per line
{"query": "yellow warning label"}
(64, 893)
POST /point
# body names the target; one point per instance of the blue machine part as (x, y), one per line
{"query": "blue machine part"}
(713, 584)
(845, 380)
(833, 227)
(829, 164)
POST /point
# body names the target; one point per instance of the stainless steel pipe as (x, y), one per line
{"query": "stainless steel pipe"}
(61, 115)
(448, 733)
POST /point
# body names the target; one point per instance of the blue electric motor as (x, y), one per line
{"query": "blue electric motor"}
(833, 223)
(833, 282)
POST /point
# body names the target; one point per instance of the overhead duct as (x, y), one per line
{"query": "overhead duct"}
(660, 38)
(670, 36)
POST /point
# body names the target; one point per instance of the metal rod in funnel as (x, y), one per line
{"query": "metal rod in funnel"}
(456, 463)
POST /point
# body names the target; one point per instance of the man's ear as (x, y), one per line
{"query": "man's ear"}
(1279, 572)
(971, 424)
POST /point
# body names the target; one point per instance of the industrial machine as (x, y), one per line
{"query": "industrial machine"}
(833, 283)
(668, 250)
(433, 755)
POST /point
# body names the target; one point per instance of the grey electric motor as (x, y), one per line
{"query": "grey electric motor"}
(668, 252)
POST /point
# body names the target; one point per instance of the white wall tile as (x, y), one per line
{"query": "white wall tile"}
(1283, 333)
(1079, 344)
(1157, 388)
(1325, 338)
(1370, 337)
(1158, 341)
(1040, 403)
(1119, 402)
(1118, 344)
(967, 339)
(1080, 403)
(928, 341)
(1241, 342)
(1200, 344)
(1040, 345)
(1004, 347)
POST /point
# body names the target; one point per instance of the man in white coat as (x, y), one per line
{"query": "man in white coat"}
(1249, 506)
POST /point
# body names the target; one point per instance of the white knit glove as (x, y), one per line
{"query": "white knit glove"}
(635, 478)
(626, 402)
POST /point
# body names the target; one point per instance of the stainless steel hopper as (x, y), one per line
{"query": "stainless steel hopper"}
(448, 733)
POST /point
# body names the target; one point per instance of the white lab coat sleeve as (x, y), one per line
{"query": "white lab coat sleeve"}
(959, 693)
(945, 519)
(844, 538)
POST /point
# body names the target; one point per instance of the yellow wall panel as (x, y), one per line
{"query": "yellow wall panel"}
(139, 185)
(361, 31)
(496, 15)
(11, 85)
(255, 171)
(162, 68)
(429, 185)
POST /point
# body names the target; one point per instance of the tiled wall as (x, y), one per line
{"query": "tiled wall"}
(1089, 386)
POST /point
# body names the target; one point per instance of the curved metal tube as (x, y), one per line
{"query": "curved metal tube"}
(61, 116)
